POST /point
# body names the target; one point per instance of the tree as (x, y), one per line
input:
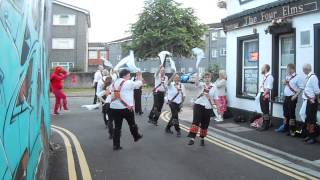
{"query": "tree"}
(165, 25)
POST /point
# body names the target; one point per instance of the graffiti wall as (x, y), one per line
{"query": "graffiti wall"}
(24, 88)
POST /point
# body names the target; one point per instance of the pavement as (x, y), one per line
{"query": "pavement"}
(228, 154)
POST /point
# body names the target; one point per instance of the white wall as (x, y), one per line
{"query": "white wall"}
(303, 55)
(233, 6)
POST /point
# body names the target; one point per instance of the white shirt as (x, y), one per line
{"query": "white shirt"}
(295, 82)
(267, 82)
(163, 81)
(312, 87)
(126, 93)
(100, 85)
(102, 93)
(173, 90)
(203, 100)
(97, 76)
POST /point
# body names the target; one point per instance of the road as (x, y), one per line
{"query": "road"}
(158, 156)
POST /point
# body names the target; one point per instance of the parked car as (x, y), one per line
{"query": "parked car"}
(188, 77)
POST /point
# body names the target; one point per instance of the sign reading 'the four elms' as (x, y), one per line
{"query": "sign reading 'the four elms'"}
(288, 10)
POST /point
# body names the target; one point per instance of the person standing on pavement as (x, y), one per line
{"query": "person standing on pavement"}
(293, 87)
(310, 104)
(137, 99)
(221, 85)
(176, 96)
(122, 105)
(203, 108)
(97, 76)
(105, 98)
(56, 86)
(159, 90)
(265, 96)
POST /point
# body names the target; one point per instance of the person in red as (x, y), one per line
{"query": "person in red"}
(56, 81)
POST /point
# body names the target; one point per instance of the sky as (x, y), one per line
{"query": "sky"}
(111, 19)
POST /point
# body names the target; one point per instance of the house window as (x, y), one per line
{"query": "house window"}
(65, 65)
(305, 38)
(286, 56)
(214, 53)
(214, 35)
(248, 66)
(93, 55)
(62, 43)
(223, 52)
(64, 20)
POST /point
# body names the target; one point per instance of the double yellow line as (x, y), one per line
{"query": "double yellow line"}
(85, 172)
(250, 155)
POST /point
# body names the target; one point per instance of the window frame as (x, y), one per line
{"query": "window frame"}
(65, 65)
(58, 48)
(55, 23)
(240, 65)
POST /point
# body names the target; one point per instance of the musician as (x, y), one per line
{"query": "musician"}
(137, 99)
(310, 103)
(293, 87)
(265, 96)
(203, 108)
(122, 105)
(97, 76)
(161, 81)
(176, 96)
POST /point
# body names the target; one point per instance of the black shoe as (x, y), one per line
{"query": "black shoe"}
(138, 138)
(178, 134)
(117, 148)
(110, 137)
(168, 130)
(191, 142)
(311, 141)
(202, 142)
(140, 113)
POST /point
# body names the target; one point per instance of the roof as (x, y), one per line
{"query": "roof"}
(129, 38)
(97, 44)
(257, 9)
(86, 12)
(214, 25)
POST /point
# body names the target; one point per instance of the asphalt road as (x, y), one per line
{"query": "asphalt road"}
(158, 156)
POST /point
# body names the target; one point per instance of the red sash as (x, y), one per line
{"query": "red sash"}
(289, 86)
(118, 97)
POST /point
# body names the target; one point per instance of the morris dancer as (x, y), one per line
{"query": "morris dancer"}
(158, 95)
(293, 87)
(97, 76)
(176, 96)
(122, 105)
(265, 96)
(203, 109)
(310, 104)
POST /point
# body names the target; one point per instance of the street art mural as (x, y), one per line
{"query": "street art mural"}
(24, 89)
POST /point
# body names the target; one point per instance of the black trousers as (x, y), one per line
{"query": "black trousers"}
(264, 104)
(95, 93)
(118, 116)
(108, 122)
(174, 121)
(137, 100)
(289, 108)
(311, 118)
(201, 118)
(158, 101)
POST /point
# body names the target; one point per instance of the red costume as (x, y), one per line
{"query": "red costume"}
(56, 81)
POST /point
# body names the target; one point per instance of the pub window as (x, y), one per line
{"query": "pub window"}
(305, 38)
(286, 56)
(248, 66)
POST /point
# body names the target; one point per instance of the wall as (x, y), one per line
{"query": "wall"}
(234, 6)
(24, 85)
(303, 55)
(79, 32)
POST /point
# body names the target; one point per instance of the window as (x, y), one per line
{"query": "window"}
(65, 65)
(63, 43)
(305, 38)
(93, 55)
(223, 52)
(248, 66)
(214, 53)
(103, 55)
(190, 69)
(286, 56)
(214, 35)
(64, 20)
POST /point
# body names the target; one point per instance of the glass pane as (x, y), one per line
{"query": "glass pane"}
(250, 53)
(287, 50)
(282, 77)
(250, 82)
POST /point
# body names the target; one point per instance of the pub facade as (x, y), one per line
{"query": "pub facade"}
(274, 32)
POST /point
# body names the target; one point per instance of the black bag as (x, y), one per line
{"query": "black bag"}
(239, 119)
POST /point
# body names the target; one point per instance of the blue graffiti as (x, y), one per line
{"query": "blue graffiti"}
(24, 87)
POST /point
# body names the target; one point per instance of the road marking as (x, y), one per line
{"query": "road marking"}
(71, 166)
(85, 171)
(259, 159)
